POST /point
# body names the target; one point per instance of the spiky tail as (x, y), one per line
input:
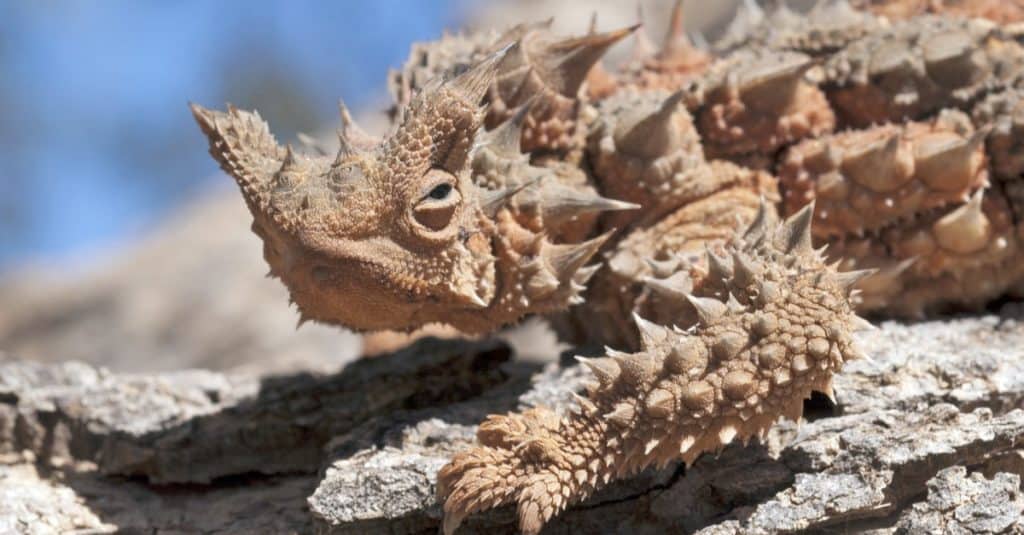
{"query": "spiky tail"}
(774, 325)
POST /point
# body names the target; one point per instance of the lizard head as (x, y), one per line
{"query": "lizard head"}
(388, 233)
(393, 233)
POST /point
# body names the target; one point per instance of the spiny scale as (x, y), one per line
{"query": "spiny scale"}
(682, 394)
(521, 177)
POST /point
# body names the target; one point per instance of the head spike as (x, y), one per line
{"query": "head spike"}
(289, 162)
(241, 143)
(473, 84)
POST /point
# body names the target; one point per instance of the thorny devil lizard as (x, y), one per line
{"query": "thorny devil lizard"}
(523, 177)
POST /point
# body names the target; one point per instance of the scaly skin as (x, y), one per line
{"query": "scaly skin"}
(775, 327)
(513, 177)
(1000, 11)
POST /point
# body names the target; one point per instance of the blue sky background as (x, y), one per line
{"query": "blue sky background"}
(96, 141)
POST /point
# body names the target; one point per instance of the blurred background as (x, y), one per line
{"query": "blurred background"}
(120, 241)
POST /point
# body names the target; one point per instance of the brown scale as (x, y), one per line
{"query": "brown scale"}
(556, 198)
(443, 222)
(827, 27)
(645, 150)
(670, 68)
(756, 102)
(919, 66)
(680, 238)
(1003, 113)
(546, 74)
(866, 180)
(429, 60)
(966, 255)
(774, 326)
(998, 11)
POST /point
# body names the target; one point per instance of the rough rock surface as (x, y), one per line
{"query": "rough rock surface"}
(927, 436)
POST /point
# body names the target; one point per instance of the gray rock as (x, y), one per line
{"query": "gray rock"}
(357, 451)
(962, 503)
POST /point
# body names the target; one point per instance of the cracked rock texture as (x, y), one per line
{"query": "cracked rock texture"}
(927, 437)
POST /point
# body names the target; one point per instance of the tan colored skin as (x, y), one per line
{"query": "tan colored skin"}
(1000, 11)
(753, 356)
(395, 235)
(444, 222)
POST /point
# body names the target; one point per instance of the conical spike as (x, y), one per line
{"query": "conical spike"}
(676, 41)
(758, 228)
(655, 135)
(493, 200)
(829, 392)
(660, 403)
(351, 138)
(585, 404)
(241, 143)
(795, 236)
(559, 202)
(622, 414)
(734, 305)
(606, 370)
(719, 269)
(474, 83)
(966, 229)
(643, 48)
(676, 287)
(345, 148)
(350, 130)
(861, 324)
(651, 334)
(289, 162)
(584, 274)
(846, 280)
(746, 271)
(567, 62)
(346, 116)
(567, 259)
(504, 139)
(708, 309)
(776, 78)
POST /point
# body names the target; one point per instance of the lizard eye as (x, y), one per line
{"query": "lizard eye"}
(440, 191)
(439, 201)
